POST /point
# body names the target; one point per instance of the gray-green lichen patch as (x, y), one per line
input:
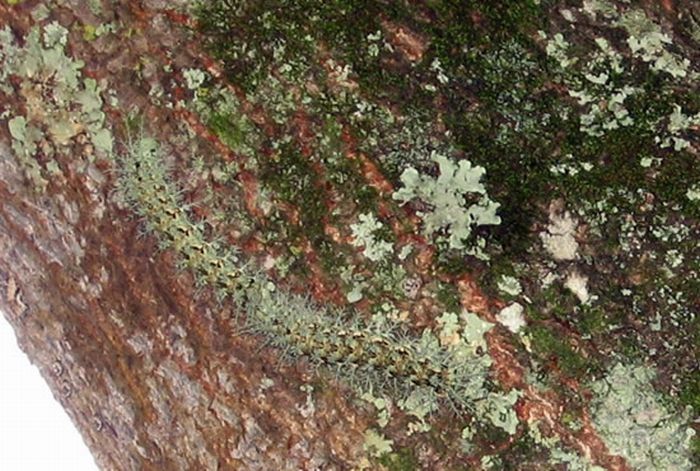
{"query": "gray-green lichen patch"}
(635, 423)
(604, 80)
(558, 452)
(365, 236)
(60, 104)
(456, 200)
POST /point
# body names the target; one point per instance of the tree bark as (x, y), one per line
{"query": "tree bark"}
(153, 369)
(153, 376)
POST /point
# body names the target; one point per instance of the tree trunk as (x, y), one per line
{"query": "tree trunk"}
(128, 325)
(153, 375)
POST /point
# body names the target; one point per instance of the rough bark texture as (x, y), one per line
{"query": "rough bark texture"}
(152, 377)
(154, 372)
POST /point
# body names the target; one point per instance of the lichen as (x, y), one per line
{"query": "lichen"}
(512, 317)
(559, 238)
(376, 444)
(457, 200)
(510, 285)
(365, 235)
(635, 423)
(648, 42)
(61, 104)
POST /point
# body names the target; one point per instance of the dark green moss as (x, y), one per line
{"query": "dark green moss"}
(593, 320)
(448, 296)
(524, 451)
(690, 392)
(233, 132)
(401, 460)
(291, 176)
(505, 110)
(550, 345)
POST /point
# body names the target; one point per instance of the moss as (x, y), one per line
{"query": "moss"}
(492, 436)
(546, 343)
(290, 175)
(448, 296)
(505, 108)
(252, 36)
(488, 23)
(523, 450)
(344, 172)
(402, 459)
(690, 392)
(231, 131)
(592, 320)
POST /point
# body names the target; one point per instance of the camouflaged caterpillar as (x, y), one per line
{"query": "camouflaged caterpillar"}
(377, 353)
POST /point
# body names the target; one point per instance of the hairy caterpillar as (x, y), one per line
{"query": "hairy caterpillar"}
(375, 351)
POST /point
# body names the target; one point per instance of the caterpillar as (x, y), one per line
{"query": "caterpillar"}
(377, 352)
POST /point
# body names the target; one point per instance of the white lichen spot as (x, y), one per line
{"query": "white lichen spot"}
(512, 317)
(547, 279)
(355, 294)
(559, 238)
(646, 162)
(266, 383)
(693, 193)
(308, 408)
(194, 78)
(578, 284)
(568, 15)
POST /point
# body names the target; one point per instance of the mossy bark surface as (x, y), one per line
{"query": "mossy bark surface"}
(423, 188)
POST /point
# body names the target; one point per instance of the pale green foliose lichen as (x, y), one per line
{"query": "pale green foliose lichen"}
(678, 125)
(604, 81)
(510, 285)
(499, 409)
(558, 452)
(194, 78)
(60, 104)
(376, 444)
(647, 41)
(457, 200)
(365, 235)
(420, 403)
(634, 422)
(382, 406)
(693, 193)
